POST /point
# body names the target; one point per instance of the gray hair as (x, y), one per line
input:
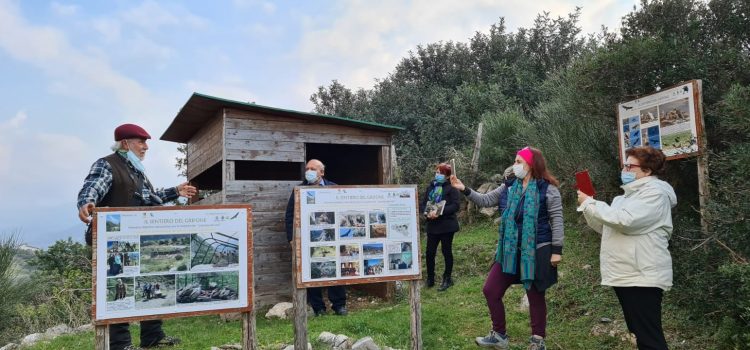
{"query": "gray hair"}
(116, 146)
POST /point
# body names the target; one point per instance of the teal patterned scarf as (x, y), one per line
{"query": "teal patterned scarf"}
(507, 251)
(436, 195)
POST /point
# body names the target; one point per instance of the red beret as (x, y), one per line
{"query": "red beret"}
(130, 131)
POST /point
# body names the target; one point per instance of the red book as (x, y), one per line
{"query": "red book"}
(583, 183)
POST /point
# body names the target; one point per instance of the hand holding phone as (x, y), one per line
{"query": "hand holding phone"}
(584, 184)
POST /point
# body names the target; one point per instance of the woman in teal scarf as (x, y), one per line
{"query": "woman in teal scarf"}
(529, 243)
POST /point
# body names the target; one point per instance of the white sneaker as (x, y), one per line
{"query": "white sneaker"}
(493, 341)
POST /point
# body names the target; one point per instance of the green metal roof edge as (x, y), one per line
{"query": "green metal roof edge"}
(386, 126)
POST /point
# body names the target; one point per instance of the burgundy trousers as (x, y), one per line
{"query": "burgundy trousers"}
(494, 289)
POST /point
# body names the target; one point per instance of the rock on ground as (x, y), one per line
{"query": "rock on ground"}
(58, 330)
(291, 347)
(281, 310)
(33, 339)
(365, 343)
(85, 328)
(11, 346)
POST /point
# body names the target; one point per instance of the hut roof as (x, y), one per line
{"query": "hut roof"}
(200, 108)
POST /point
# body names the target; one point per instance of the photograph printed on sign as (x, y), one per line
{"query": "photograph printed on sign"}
(676, 131)
(349, 252)
(352, 232)
(322, 269)
(351, 219)
(323, 252)
(120, 293)
(378, 231)
(165, 253)
(152, 292)
(350, 268)
(113, 223)
(649, 116)
(211, 251)
(207, 287)
(377, 217)
(400, 261)
(323, 235)
(122, 256)
(373, 267)
(372, 249)
(322, 218)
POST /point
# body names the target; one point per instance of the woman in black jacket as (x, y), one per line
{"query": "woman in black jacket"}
(440, 226)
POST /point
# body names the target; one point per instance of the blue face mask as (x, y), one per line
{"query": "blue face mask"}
(627, 177)
(311, 176)
(440, 178)
(135, 161)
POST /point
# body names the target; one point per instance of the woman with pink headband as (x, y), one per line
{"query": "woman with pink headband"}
(529, 247)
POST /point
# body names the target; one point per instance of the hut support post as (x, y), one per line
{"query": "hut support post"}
(101, 337)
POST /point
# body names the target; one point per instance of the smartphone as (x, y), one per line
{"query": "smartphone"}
(583, 183)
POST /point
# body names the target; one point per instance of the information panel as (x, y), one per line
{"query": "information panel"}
(669, 120)
(352, 235)
(157, 262)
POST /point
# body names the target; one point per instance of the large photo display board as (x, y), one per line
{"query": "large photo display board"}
(669, 120)
(350, 235)
(171, 261)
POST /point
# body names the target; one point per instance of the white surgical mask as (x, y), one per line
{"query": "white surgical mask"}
(311, 176)
(627, 177)
(519, 171)
(135, 161)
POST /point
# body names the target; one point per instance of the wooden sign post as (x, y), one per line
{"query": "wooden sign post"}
(165, 262)
(353, 235)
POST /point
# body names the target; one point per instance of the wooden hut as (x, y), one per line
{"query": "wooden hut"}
(240, 152)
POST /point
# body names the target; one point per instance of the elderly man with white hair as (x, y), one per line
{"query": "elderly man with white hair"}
(119, 180)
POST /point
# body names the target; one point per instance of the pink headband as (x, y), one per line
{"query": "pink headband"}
(527, 155)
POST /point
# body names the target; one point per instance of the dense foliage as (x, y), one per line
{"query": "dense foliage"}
(553, 88)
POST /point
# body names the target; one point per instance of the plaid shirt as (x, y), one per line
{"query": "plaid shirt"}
(99, 180)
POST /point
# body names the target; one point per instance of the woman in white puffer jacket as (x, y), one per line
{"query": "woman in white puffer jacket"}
(635, 230)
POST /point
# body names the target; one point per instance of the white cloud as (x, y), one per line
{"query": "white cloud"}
(63, 9)
(109, 29)
(367, 39)
(48, 48)
(152, 16)
(266, 6)
(228, 87)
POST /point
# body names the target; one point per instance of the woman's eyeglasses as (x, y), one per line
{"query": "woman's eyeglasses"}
(628, 166)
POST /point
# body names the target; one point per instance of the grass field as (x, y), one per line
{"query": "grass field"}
(451, 319)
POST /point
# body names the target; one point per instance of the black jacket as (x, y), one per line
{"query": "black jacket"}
(447, 222)
(289, 217)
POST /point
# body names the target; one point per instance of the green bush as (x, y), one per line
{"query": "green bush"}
(13, 290)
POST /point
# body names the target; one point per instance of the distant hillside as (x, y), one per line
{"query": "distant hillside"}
(22, 258)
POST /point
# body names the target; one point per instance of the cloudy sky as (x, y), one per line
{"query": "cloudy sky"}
(70, 72)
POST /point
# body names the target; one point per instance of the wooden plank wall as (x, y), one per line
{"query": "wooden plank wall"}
(257, 137)
(205, 148)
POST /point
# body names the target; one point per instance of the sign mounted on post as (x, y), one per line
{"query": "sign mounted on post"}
(160, 262)
(356, 234)
(670, 120)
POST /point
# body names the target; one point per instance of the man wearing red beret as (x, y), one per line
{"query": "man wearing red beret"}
(119, 180)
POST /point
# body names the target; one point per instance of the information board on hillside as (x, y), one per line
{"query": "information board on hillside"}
(356, 234)
(669, 120)
(171, 261)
